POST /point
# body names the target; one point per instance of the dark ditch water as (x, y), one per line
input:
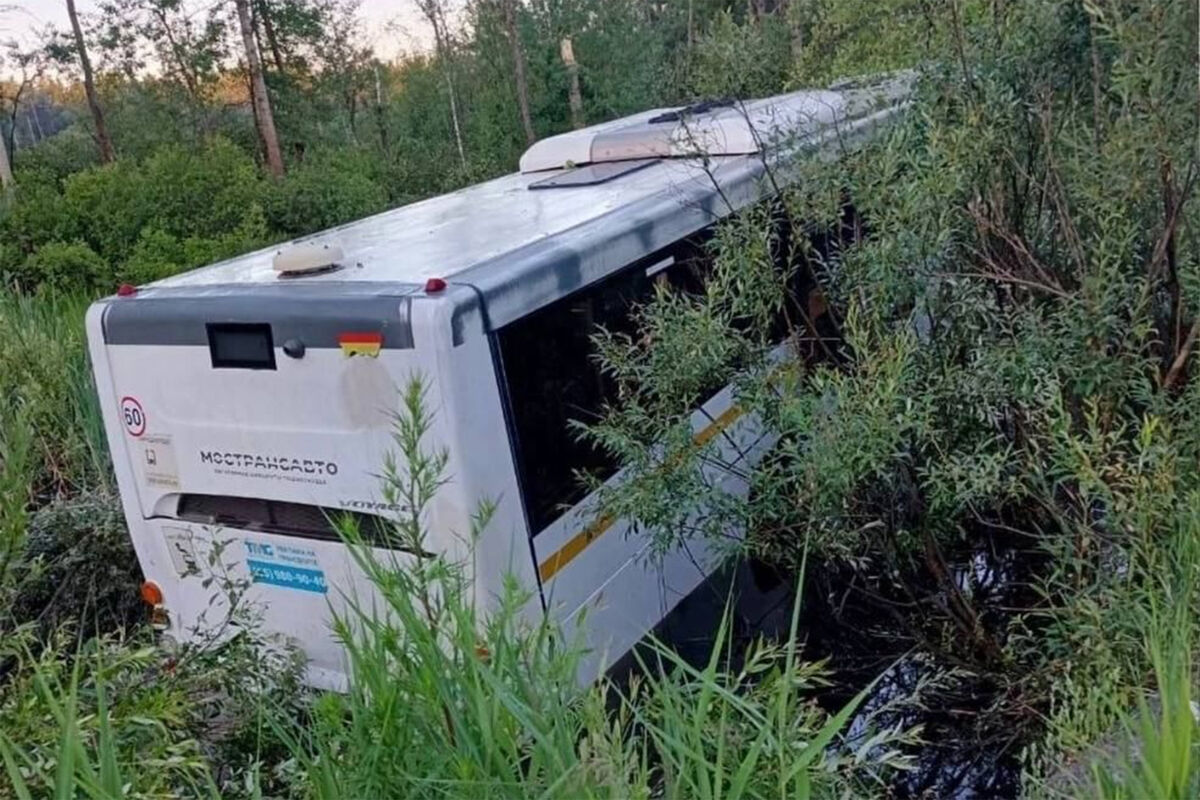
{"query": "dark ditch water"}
(864, 627)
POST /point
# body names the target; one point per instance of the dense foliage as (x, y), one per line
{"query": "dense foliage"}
(990, 321)
(1001, 349)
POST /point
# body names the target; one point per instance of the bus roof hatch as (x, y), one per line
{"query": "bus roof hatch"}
(715, 128)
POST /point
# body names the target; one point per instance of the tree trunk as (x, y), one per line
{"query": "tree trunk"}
(89, 87)
(691, 26)
(462, 153)
(258, 93)
(793, 16)
(435, 13)
(518, 54)
(576, 97)
(189, 80)
(380, 116)
(6, 176)
(264, 11)
(12, 122)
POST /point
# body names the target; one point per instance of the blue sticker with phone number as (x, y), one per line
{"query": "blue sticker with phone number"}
(289, 577)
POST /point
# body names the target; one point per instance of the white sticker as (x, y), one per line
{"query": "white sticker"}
(157, 456)
(181, 544)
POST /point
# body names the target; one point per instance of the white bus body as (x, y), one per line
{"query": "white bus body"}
(243, 406)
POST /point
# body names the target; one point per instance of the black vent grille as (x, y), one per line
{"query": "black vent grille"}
(289, 519)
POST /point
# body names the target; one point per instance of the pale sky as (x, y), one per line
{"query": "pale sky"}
(393, 27)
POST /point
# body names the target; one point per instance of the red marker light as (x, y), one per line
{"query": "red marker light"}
(151, 594)
(126, 290)
(435, 285)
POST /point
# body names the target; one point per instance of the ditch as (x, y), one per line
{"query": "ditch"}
(875, 634)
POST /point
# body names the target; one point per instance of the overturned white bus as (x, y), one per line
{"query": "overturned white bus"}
(252, 401)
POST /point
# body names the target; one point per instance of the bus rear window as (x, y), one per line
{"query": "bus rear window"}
(289, 519)
(240, 346)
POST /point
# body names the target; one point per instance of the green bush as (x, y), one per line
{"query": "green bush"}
(111, 204)
(37, 215)
(744, 60)
(1009, 351)
(116, 716)
(12, 265)
(327, 189)
(78, 566)
(201, 192)
(159, 254)
(179, 191)
(96, 721)
(57, 157)
(839, 38)
(67, 266)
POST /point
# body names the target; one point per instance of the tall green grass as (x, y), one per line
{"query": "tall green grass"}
(90, 721)
(1123, 723)
(53, 454)
(47, 396)
(1162, 737)
(1157, 754)
(15, 468)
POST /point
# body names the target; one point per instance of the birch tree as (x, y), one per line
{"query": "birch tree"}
(6, 176)
(575, 97)
(103, 141)
(259, 98)
(174, 47)
(518, 56)
(12, 93)
(435, 12)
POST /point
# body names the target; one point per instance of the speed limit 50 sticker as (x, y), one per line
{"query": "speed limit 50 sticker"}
(133, 416)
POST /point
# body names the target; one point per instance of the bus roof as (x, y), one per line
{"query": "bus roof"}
(447, 235)
(514, 246)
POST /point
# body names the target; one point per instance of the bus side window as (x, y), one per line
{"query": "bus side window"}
(806, 264)
(554, 380)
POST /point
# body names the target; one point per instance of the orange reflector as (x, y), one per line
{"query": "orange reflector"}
(151, 594)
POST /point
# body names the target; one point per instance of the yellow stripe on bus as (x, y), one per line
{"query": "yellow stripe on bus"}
(566, 554)
(578, 543)
(719, 424)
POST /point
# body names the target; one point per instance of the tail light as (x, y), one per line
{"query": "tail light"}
(152, 596)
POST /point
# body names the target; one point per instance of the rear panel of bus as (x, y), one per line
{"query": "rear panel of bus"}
(241, 426)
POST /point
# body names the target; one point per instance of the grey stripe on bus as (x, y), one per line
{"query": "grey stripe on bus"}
(316, 314)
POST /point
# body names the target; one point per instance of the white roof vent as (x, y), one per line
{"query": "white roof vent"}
(305, 259)
(714, 128)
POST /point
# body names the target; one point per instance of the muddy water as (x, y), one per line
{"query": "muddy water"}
(870, 632)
